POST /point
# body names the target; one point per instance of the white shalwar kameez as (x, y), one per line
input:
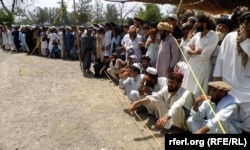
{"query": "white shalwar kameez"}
(229, 67)
(134, 44)
(107, 43)
(7, 39)
(44, 45)
(161, 83)
(200, 63)
(152, 52)
(131, 86)
(52, 37)
(164, 104)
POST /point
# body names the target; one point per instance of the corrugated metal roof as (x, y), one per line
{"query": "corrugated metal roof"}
(212, 6)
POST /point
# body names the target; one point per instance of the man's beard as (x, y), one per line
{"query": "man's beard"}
(173, 90)
(132, 36)
(163, 35)
(215, 100)
(200, 29)
(220, 35)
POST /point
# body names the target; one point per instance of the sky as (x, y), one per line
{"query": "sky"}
(53, 3)
(56, 3)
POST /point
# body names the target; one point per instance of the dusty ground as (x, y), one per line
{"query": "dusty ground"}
(47, 104)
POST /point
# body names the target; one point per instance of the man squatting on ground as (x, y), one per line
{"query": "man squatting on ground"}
(203, 121)
(168, 104)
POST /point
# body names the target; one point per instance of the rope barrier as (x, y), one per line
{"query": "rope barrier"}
(136, 114)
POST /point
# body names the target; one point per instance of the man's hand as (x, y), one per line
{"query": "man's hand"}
(198, 100)
(124, 74)
(243, 32)
(198, 51)
(160, 123)
(145, 78)
(202, 130)
(149, 42)
(132, 108)
(191, 51)
(192, 47)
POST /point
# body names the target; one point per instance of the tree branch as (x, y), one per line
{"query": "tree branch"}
(4, 7)
(129, 11)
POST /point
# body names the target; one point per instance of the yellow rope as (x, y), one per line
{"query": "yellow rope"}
(179, 6)
(198, 83)
(149, 131)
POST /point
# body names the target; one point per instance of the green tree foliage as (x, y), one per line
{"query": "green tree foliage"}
(84, 11)
(46, 16)
(111, 15)
(6, 17)
(97, 13)
(42, 15)
(151, 13)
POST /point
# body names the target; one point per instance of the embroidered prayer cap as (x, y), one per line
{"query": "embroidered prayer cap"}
(221, 85)
(165, 26)
(151, 71)
(176, 76)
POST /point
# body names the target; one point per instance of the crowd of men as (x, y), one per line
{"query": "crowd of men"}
(192, 74)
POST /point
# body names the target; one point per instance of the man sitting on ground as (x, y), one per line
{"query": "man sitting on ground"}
(226, 117)
(130, 81)
(150, 83)
(169, 104)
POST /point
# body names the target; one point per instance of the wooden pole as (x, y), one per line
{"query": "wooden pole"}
(77, 46)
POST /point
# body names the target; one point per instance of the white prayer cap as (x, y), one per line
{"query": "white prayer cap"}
(133, 57)
(151, 70)
(68, 27)
(173, 16)
(136, 65)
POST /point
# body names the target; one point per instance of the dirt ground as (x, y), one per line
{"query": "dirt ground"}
(47, 104)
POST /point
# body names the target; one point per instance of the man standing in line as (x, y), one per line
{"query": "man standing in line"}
(233, 66)
(168, 54)
(199, 50)
(87, 47)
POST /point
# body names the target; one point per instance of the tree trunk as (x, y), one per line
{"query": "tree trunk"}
(13, 6)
